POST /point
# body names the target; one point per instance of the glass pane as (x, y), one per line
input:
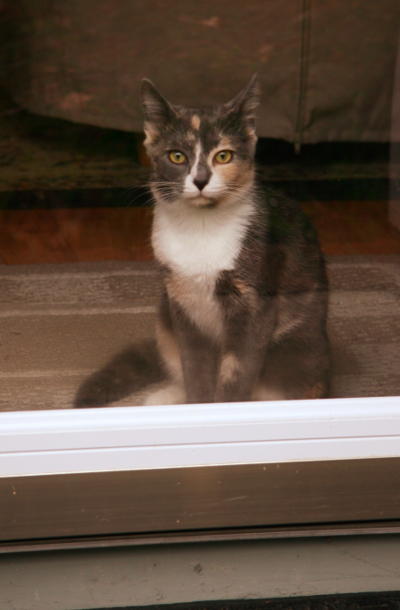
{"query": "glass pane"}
(245, 313)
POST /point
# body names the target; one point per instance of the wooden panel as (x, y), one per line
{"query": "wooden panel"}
(176, 500)
(354, 227)
(68, 235)
(123, 233)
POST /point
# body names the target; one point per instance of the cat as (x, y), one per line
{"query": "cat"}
(244, 304)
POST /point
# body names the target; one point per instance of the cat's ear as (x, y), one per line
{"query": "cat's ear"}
(157, 109)
(246, 102)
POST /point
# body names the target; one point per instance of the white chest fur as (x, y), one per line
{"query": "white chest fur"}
(197, 245)
(195, 242)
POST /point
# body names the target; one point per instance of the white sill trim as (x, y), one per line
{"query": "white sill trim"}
(35, 443)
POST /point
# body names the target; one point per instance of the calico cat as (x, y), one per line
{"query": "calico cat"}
(244, 305)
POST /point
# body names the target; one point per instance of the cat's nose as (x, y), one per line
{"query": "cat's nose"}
(200, 182)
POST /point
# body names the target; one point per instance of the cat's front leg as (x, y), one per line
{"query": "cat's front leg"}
(249, 323)
(199, 357)
(240, 368)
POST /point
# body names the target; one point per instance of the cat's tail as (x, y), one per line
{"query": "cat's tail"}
(129, 372)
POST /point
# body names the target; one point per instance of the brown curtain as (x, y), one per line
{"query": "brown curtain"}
(326, 66)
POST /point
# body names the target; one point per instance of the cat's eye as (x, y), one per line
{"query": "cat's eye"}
(177, 157)
(223, 156)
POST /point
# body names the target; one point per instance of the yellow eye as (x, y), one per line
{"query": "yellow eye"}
(177, 157)
(223, 156)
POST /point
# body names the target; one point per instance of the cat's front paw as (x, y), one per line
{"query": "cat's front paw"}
(171, 394)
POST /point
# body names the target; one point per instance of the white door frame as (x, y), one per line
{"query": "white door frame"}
(35, 443)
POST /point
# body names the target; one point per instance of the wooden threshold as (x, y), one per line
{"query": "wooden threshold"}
(323, 530)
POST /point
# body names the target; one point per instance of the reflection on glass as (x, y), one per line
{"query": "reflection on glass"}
(243, 287)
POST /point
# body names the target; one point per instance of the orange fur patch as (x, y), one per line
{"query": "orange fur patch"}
(195, 122)
(236, 173)
(150, 132)
(248, 293)
(230, 366)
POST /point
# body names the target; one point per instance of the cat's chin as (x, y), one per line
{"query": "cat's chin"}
(201, 202)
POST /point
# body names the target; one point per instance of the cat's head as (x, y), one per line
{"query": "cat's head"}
(200, 157)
